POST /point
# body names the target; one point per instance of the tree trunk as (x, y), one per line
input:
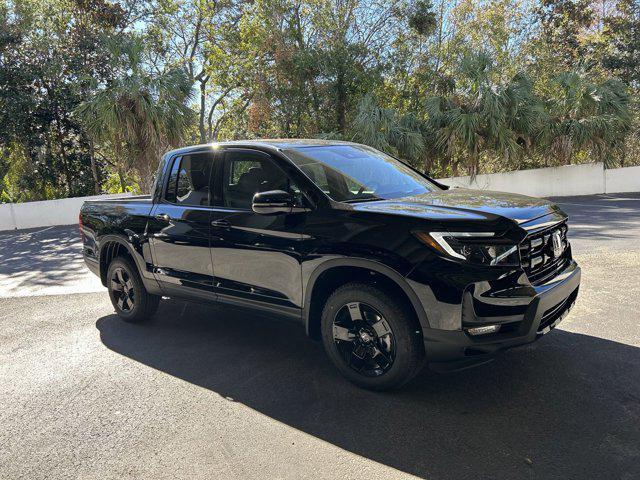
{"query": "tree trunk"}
(48, 159)
(210, 134)
(439, 48)
(94, 168)
(316, 105)
(65, 160)
(341, 98)
(146, 179)
(123, 184)
(202, 113)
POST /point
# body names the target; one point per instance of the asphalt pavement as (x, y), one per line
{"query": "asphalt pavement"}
(215, 393)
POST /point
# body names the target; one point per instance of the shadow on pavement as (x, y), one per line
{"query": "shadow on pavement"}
(30, 260)
(565, 407)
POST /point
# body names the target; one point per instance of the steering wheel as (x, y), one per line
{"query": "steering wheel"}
(373, 186)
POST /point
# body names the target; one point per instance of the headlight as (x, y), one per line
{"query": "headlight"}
(474, 247)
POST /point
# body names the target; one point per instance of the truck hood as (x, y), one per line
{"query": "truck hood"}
(465, 204)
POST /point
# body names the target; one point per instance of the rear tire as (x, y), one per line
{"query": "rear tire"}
(130, 299)
(371, 338)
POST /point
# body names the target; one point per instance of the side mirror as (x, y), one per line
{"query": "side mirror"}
(274, 202)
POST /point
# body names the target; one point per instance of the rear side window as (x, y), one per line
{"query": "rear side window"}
(190, 181)
(170, 194)
(157, 177)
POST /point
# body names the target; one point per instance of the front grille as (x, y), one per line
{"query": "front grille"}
(537, 255)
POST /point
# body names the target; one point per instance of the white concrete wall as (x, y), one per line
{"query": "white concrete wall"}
(6, 218)
(588, 179)
(620, 180)
(44, 214)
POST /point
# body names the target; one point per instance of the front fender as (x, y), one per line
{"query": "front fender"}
(372, 265)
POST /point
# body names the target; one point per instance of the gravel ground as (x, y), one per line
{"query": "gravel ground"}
(213, 392)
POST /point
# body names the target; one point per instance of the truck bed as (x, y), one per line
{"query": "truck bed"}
(115, 215)
(132, 199)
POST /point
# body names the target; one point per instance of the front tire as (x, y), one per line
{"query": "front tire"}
(128, 296)
(371, 338)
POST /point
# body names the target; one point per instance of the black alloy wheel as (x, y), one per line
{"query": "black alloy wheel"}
(372, 336)
(128, 295)
(122, 288)
(364, 339)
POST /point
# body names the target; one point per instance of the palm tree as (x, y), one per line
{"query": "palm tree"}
(139, 114)
(586, 116)
(386, 130)
(481, 116)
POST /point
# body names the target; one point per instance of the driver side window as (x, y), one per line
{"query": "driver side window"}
(246, 173)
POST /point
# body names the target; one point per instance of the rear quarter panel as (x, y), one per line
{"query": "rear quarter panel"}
(124, 221)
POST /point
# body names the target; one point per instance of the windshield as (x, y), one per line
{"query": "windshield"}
(352, 173)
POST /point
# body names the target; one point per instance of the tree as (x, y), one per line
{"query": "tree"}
(139, 113)
(51, 51)
(452, 87)
(421, 17)
(621, 41)
(586, 115)
(480, 116)
(563, 22)
(386, 130)
(199, 36)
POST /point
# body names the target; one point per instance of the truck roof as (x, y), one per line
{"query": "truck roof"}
(269, 143)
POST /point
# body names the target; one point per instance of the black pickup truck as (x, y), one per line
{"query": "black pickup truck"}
(386, 266)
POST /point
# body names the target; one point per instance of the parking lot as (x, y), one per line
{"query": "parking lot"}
(214, 393)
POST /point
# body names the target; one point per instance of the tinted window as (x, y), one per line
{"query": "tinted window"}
(170, 195)
(356, 172)
(189, 180)
(247, 173)
(240, 166)
(158, 176)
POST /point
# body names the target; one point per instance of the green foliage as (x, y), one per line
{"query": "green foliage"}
(586, 116)
(384, 129)
(563, 22)
(422, 19)
(621, 43)
(50, 53)
(113, 184)
(93, 92)
(139, 113)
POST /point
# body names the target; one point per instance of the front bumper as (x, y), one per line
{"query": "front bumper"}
(547, 306)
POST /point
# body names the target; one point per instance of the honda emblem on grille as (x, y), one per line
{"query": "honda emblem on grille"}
(556, 242)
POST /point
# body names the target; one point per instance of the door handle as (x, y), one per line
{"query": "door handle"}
(221, 224)
(163, 216)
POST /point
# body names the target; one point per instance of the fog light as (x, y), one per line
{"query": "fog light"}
(483, 330)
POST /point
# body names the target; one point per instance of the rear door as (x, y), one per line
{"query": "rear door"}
(256, 258)
(179, 228)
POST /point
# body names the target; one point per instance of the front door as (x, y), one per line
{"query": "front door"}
(179, 228)
(256, 258)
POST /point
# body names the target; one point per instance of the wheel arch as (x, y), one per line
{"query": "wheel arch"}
(336, 272)
(113, 246)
